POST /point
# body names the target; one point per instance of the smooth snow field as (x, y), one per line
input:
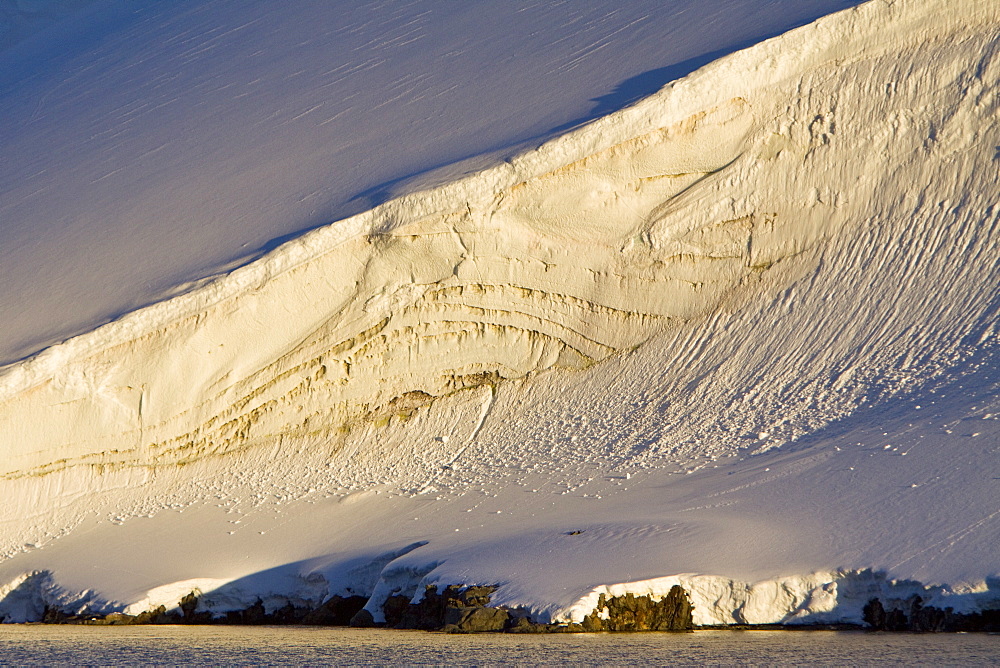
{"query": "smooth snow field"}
(615, 298)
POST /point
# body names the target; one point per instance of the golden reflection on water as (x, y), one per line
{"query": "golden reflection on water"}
(285, 646)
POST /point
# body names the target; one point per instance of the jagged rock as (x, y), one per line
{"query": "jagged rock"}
(641, 613)
(592, 623)
(455, 614)
(476, 596)
(466, 610)
(188, 606)
(525, 625)
(288, 614)
(475, 619)
(429, 614)
(54, 615)
(988, 620)
(927, 619)
(874, 615)
(254, 614)
(522, 624)
(394, 609)
(118, 619)
(155, 616)
(335, 611)
(454, 609)
(363, 619)
(896, 621)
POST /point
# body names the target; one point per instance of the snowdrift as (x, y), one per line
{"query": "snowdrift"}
(739, 336)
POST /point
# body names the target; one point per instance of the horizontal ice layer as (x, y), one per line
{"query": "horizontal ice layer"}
(790, 253)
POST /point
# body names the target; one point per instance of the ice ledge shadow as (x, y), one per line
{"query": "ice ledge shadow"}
(843, 598)
(622, 95)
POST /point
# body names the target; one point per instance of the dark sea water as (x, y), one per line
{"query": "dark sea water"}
(312, 646)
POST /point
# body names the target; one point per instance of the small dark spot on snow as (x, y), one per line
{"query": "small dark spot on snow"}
(576, 532)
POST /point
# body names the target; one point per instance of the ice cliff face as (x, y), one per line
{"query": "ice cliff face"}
(782, 240)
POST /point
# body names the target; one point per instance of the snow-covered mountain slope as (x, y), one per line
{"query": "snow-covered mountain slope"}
(149, 144)
(741, 335)
(20, 19)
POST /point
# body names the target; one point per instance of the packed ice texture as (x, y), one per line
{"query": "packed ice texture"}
(740, 335)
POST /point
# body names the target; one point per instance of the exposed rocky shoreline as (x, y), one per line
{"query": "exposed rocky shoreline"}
(467, 609)
(455, 609)
(928, 619)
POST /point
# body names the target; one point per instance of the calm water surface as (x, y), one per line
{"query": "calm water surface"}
(288, 646)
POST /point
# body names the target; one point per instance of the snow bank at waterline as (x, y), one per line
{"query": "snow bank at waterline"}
(816, 598)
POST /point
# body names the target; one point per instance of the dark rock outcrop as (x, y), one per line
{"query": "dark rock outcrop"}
(189, 606)
(289, 614)
(641, 613)
(363, 620)
(253, 615)
(475, 620)
(917, 618)
(335, 611)
(394, 609)
(466, 610)
(187, 613)
(155, 616)
(456, 609)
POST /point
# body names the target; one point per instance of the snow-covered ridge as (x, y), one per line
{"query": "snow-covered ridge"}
(20, 20)
(544, 261)
(800, 233)
(192, 137)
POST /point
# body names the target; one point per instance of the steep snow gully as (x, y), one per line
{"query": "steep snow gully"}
(740, 336)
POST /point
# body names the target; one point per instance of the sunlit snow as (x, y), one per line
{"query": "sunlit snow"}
(627, 298)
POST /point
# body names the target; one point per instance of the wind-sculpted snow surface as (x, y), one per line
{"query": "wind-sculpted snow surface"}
(778, 275)
(512, 272)
(163, 142)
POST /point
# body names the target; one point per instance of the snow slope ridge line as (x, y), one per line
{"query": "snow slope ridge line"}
(546, 261)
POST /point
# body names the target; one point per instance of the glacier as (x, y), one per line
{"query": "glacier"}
(738, 335)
